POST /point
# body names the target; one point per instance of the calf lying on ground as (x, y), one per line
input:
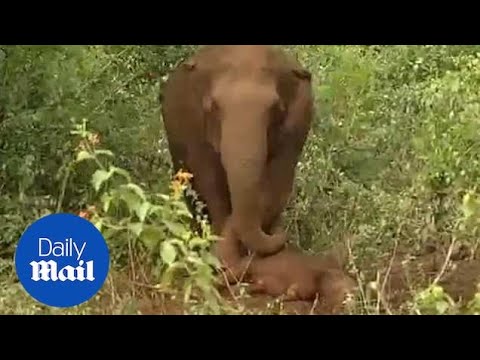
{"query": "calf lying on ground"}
(288, 273)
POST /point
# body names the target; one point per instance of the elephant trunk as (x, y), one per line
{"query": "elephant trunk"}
(244, 154)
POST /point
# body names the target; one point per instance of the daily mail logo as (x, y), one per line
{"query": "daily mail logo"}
(48, 270)
(62, 260)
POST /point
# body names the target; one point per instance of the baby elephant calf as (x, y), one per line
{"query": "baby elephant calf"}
(295, 276)
(288, 273)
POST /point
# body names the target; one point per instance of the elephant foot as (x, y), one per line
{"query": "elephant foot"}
(232, 255)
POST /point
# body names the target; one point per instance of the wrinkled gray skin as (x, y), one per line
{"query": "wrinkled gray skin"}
(237, 117)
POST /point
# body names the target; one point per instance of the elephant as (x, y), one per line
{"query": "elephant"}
(237, 117)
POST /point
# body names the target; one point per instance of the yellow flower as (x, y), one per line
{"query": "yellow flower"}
(94, 139)
(183, 177)
(177, 189)
(84, 214)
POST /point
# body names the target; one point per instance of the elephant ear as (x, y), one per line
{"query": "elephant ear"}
(289, 82)
(302, 73)
(189, 64)
(294, 87)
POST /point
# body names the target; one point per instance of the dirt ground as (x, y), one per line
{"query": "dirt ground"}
(256, 305)
(399, 277)
(459, 277)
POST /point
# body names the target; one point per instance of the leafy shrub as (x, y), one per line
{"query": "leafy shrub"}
(151, 229)
(44, 90)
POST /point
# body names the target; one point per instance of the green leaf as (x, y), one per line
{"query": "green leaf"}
(175, 228)
(180, 244)
(152, 237)
(168, 252)
(214, 238)
(109, 233)
(194, 259)
(104, 152)
(98, 224)
(142, 211)
(164, 197)
(137, 190)
(132, 200)
(83, 155)
(99, 177)
(182, 209)
(167, 275)
(197, 241)
(121, 172)
(442, 307)
(157, 209)
(474, 305)
(106, 200)
(471, 205)
(212, 260)
(171, 271)
(437, 292)
(136, 228)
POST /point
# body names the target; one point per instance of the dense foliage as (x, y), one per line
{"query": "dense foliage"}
(392, 161)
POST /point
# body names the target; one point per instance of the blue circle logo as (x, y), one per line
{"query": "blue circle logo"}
(62, 260)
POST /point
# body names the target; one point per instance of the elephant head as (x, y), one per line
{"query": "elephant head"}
(246, 109)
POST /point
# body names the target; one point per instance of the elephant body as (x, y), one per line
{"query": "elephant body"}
(237, 118)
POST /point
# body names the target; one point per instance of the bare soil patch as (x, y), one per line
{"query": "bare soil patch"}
(457, 271)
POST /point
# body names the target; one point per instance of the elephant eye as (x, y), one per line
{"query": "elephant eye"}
(210, 105)
(278, 107)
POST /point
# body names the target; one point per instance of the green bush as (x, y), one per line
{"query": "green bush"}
(45, 90)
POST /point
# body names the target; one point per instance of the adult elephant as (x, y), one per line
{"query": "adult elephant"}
(237, 117)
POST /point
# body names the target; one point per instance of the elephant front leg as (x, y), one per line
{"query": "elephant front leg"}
(232, 254)
(210, 183)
